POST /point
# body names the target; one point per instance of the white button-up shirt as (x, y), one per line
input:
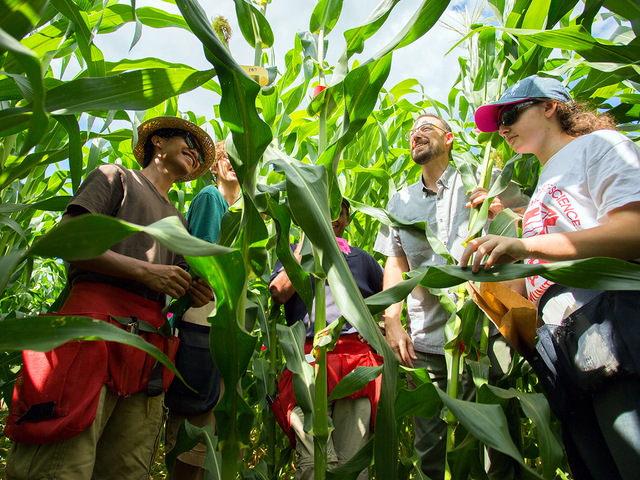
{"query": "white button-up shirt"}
(446, 213)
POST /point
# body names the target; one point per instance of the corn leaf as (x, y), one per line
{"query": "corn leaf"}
(38, 120)
(18, 17)
(48, 332)
(260, 31)
(536, 407)
(354, 381)
(189, 436)
(308, 199)
(488, 424)
(590, 273)
(70, 123)
(325, 16)
(292, 340)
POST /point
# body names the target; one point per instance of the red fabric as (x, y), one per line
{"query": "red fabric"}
(348, 354)
(129, 367)
(61, 376)
(72, 374)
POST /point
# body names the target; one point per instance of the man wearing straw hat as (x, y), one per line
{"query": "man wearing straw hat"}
(95, 409)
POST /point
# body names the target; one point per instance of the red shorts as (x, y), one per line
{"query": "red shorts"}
(348, 354)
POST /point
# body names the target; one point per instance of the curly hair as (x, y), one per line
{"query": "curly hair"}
(578, 119)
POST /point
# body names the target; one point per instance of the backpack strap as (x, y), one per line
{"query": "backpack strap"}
(135, 326)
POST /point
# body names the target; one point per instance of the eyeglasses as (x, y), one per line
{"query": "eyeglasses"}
(510, 114)
(424, 129)
(189, 139)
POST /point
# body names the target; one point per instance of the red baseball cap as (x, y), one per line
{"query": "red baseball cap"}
(487, 116)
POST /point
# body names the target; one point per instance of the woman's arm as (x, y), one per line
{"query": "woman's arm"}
(619, 238)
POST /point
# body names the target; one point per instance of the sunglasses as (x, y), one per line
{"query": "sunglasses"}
(510, 114)
(424, 129)
(189, 139)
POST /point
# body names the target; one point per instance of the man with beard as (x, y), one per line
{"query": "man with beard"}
(441, 200)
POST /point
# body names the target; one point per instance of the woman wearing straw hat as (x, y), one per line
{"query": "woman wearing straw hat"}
(193, 358)
(587, 204)
(95, 409)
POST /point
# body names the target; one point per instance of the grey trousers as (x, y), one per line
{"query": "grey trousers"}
(430, 433)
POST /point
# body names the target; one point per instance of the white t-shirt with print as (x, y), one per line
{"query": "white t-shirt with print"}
(578, 187)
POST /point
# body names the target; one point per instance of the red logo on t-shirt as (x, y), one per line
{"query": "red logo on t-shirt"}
(533, 261)
(538, 220)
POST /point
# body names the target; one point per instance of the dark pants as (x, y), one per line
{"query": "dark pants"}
(589, 368)
(602, 437)
(430, 433)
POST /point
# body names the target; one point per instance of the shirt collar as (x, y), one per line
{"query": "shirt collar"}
(442, 182)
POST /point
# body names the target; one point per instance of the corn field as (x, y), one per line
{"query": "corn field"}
(295, 156)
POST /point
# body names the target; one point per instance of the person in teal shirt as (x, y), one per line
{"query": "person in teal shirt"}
(210, 205)
(193, 358)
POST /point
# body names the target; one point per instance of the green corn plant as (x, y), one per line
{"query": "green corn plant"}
(353, 132)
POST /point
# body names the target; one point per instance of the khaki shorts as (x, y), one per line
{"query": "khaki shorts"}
(351, 420)
(120, 444)
(196, 455)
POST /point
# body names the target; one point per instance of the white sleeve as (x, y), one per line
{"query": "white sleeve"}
(613, 173)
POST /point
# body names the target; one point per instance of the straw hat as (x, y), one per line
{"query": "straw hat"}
(207, 147)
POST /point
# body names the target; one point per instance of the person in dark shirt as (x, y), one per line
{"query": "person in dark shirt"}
(353, 415)
(106, 412)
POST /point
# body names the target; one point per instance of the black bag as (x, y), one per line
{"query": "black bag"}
(594, 344)
(193, 361)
